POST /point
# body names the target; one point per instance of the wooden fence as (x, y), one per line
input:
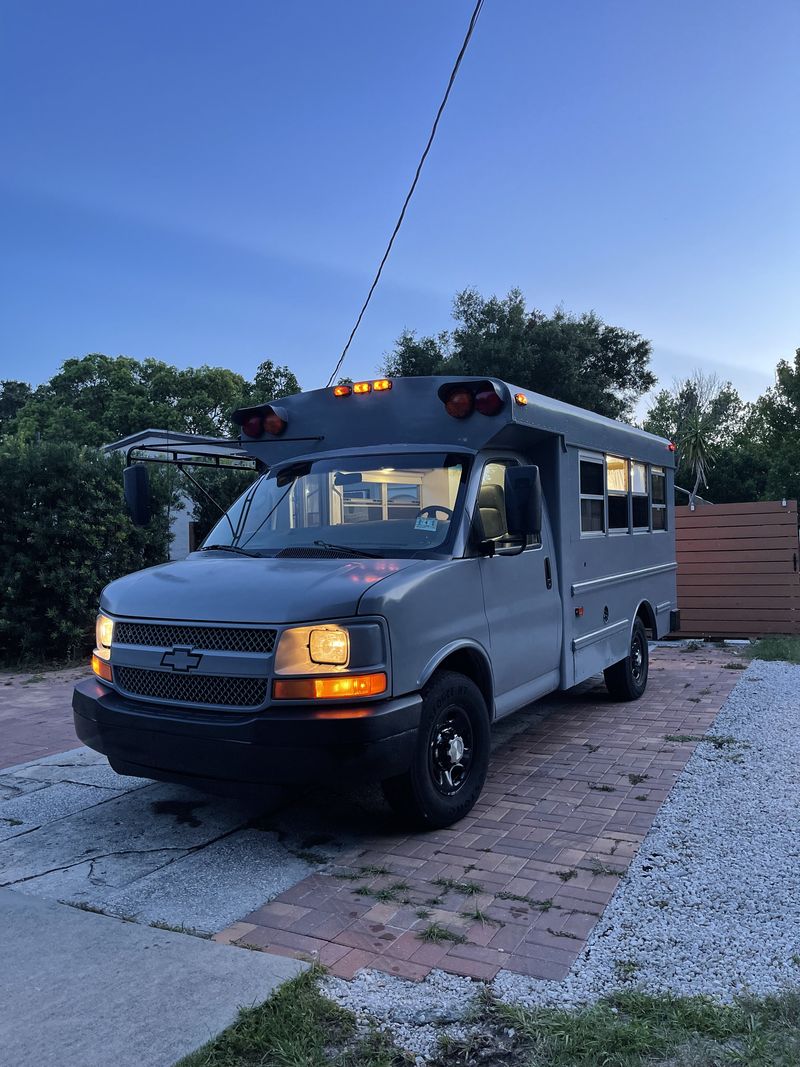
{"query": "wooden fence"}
(738, 569)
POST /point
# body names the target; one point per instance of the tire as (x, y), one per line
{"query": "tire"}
(627, 680)
(451, 756)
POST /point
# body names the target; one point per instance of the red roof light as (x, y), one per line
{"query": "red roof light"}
(460, 403)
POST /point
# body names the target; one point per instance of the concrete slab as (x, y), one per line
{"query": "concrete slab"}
(21, 814)
(134, 827)
(85, 990)
(209, 888)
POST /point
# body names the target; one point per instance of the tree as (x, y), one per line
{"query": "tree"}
(578, 359)
(65, 534)
(98, 399)
(704, 417)
(13, 396)
(272, 382)
(778, 425)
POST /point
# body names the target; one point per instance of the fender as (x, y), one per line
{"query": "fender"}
(461, 645)
(650, 619)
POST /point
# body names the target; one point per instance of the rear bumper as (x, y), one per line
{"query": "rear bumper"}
(286, 745)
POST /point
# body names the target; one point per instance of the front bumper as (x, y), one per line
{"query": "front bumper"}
(218, 750)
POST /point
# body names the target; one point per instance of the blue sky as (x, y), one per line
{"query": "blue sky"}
(214, 183)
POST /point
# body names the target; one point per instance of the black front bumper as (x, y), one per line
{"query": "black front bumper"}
(287, 745)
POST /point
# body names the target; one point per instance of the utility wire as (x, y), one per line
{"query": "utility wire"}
(476, 12)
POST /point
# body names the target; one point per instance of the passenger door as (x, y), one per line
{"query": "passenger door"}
(521, 600)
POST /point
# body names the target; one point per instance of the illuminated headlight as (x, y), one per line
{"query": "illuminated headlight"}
(329, 648)
(104, 635)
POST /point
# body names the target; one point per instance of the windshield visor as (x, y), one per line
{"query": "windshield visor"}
(388, 505)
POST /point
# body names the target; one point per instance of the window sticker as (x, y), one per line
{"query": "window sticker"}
(425, 523)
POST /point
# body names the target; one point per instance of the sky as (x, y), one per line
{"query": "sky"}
(215, 182)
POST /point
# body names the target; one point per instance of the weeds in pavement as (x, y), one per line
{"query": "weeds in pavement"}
(469, 889)
(566, 876)
(637, 779)
(437, 934)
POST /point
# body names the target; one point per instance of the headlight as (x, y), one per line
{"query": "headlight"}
(330, 648)
(103, 636)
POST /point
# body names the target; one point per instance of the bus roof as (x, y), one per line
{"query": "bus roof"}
(411, 411)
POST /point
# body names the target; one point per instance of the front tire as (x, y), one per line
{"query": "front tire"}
(627, 680)
(451, 756)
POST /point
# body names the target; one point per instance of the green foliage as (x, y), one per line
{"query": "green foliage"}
(98, 399)
(703, 416)
(785, 649)
(578, 359)
(634, 1030)
(13, 396)
(297, 1027)
(65, 534)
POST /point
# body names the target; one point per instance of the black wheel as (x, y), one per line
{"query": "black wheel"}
(627, 680)
(451, 756)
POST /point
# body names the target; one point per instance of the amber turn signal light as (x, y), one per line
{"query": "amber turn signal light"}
(342, 390)
(362, 387)
(521, 399)
(101, 668)
(381, 385)
(338, 687)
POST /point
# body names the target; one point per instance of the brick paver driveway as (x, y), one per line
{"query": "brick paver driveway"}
(36, 714)
(573, 788)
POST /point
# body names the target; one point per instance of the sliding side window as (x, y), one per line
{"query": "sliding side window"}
(640, 497)
(658, 484)
(617, 485)
(593, 502)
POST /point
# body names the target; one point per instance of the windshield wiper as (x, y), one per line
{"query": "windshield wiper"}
(230, 548)
(347, 548)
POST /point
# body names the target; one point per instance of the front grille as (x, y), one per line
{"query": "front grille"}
(208, 638)
(192, 688)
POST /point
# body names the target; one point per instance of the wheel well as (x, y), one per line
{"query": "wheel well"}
(471, 663)
(648, 616)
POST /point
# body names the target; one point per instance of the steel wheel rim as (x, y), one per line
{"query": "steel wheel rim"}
(637, 659)
(450, 752)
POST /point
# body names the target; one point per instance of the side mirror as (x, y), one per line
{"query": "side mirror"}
(136, 483)
(523, 496)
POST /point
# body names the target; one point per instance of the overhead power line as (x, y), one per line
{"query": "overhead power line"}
(476, 12)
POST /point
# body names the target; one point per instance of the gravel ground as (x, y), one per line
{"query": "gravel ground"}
(710, 904)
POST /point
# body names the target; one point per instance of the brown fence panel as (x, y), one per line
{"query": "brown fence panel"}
(738, 569)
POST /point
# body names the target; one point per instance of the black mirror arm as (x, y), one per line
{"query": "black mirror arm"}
(208, 496)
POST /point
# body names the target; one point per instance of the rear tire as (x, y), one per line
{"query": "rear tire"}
(451, 756)
(627, 680)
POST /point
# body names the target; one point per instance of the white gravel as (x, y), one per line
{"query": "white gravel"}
(711, 903)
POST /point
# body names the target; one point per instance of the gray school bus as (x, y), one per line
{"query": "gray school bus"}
(418, 558)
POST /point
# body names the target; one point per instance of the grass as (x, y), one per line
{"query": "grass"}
(785, 649)
(469, 889)
(436, 934)
(601, 787)
(298, 1027)
(542, 905)
(637, 779)
(633, 1029)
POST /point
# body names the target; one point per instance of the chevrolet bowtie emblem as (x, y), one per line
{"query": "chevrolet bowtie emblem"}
(181, 659)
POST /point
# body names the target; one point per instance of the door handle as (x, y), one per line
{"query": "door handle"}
(548, 574)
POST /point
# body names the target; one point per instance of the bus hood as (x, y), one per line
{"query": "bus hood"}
(212, 587)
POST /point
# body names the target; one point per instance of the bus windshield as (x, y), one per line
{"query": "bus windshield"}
(385, 505)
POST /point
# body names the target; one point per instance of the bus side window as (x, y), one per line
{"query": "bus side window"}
(617, 484)
(641, 496)
(593, 501)
(658, 483)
